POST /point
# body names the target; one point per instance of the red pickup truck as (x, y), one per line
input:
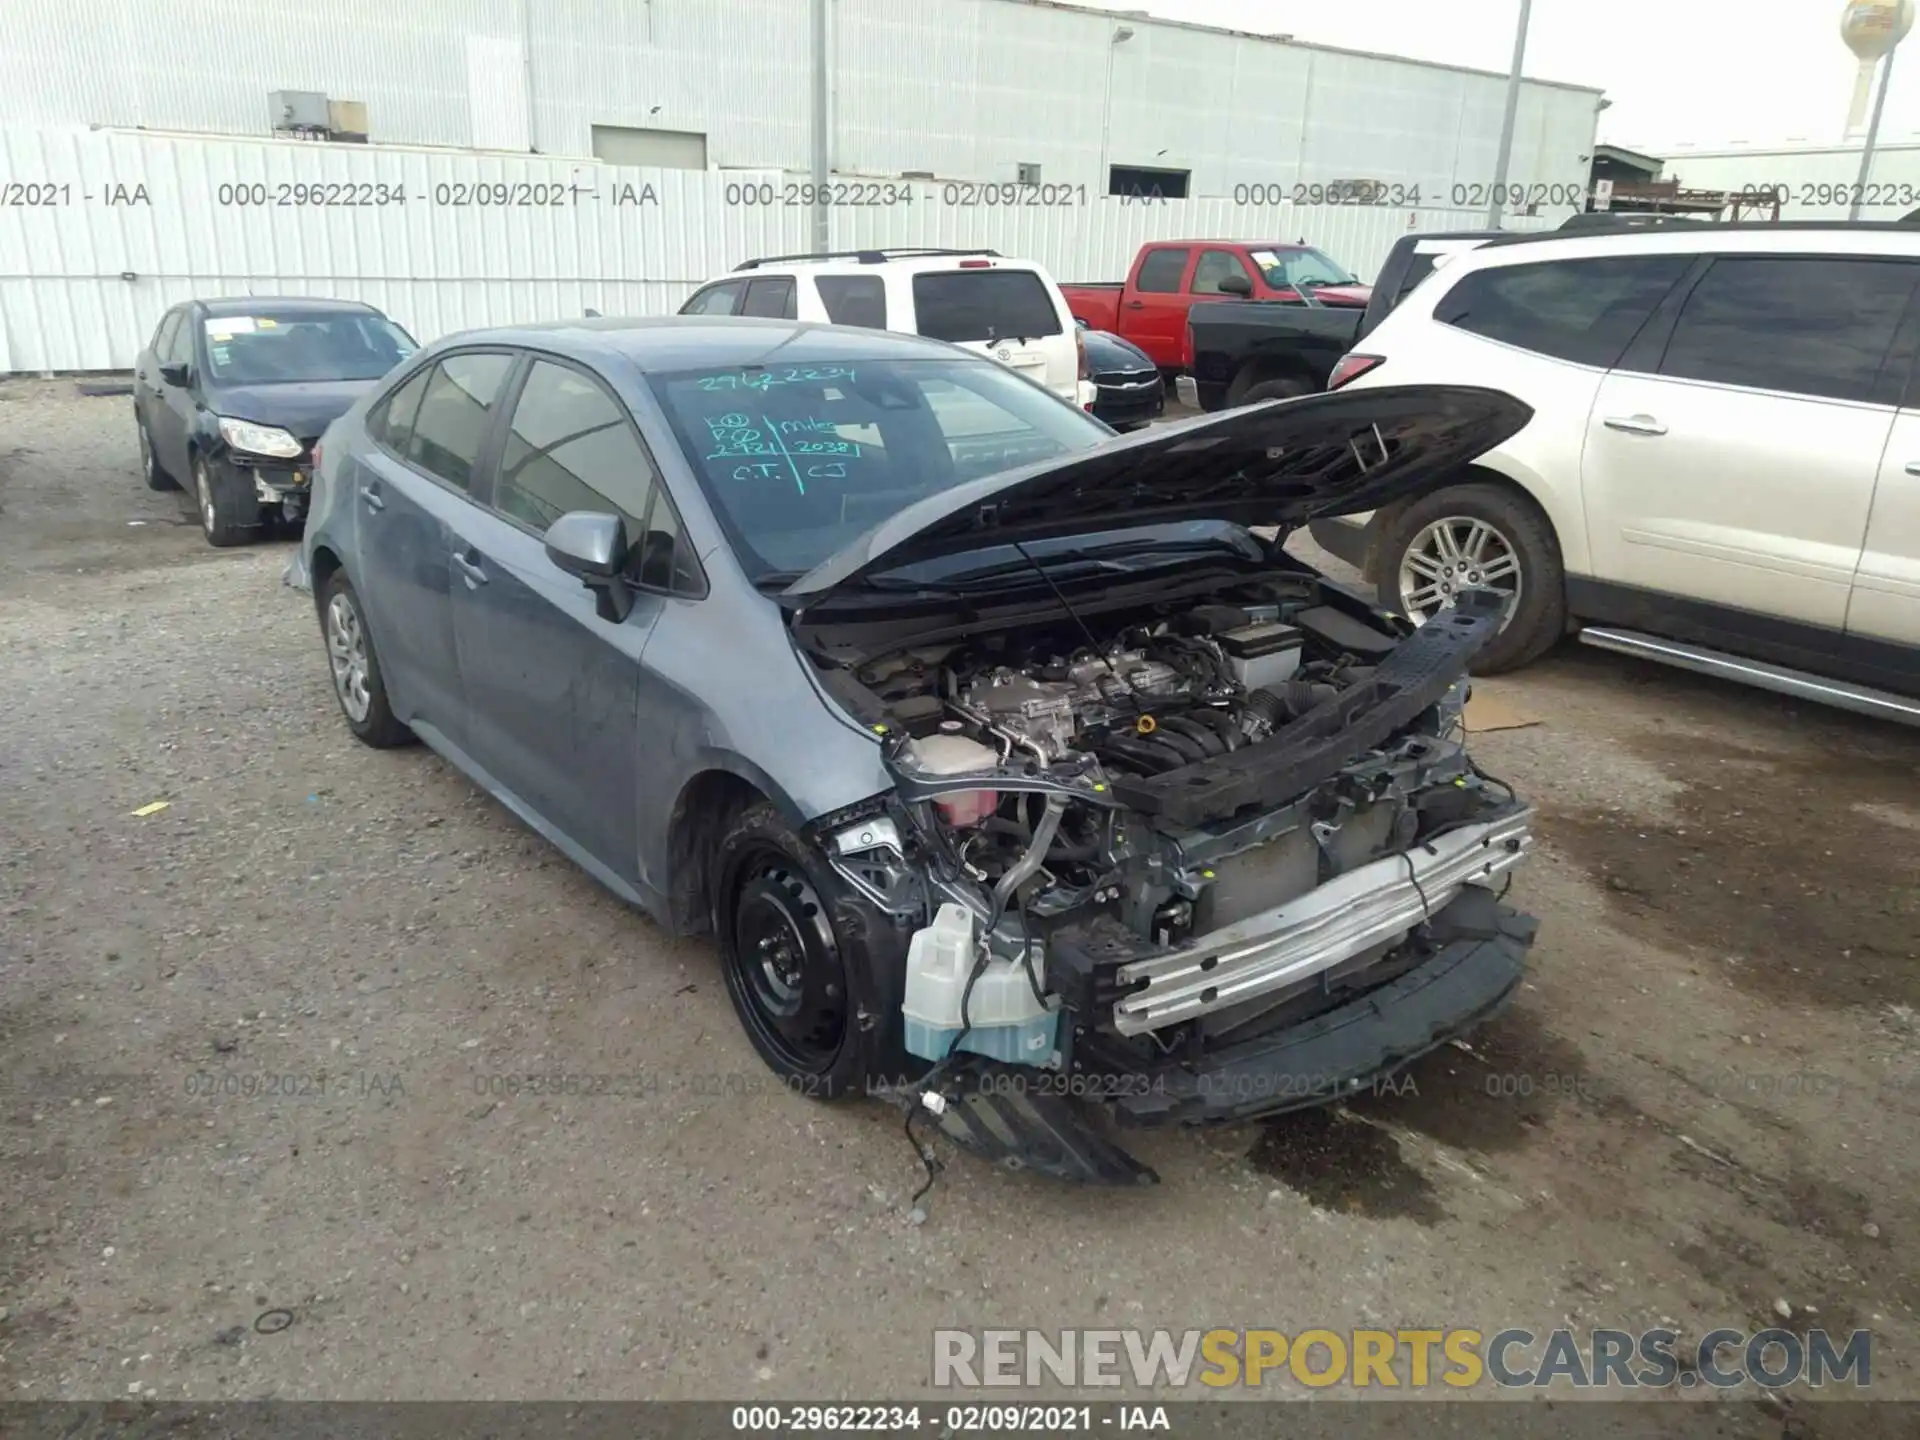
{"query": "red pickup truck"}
(1169, 276)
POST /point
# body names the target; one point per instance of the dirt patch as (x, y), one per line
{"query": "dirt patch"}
(1781, 865)
(1340, 1162)
(1490, 1092)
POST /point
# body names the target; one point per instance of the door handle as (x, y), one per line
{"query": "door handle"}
(1136, 304)
(470, 570)
(373, 498)
(1635, 424)
(1913, 467)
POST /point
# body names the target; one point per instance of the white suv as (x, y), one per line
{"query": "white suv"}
(1723, 468)
(1008, 310)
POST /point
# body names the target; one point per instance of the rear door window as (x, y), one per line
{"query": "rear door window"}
(391, 421)
(1160, 272)
(456, 414)
(1585, 311)
(771, 299)
(854, 300)
(961, 306)
(1808, 325)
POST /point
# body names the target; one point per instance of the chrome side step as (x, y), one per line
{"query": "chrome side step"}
(1860, 699)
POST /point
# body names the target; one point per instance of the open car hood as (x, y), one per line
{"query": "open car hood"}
(1282, 463)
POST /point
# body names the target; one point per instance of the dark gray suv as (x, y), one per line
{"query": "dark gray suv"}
(1015, 776)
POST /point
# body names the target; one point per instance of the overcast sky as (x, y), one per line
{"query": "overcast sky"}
(1676, 70)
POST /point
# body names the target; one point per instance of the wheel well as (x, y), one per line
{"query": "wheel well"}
(1259, 370)
(1465, 475)
(325, 563)
(706, 809)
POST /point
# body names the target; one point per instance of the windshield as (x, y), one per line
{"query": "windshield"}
(269, 348)
(799, 460)
(1292, 269)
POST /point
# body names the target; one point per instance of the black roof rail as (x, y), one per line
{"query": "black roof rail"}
(1717, 227)
(865, 257)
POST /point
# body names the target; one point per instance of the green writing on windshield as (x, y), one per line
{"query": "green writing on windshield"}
(766, 379)
(799, 450)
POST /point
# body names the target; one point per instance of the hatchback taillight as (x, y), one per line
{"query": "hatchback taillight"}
(1080, 351)
(316, 457)
(1352, 367)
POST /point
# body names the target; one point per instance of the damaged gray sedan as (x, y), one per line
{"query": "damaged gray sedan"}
(1015, 775)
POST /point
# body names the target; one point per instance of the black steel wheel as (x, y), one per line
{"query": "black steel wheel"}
(786, 965)
(813, 975)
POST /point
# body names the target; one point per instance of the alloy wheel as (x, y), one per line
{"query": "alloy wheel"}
(347, 653)
(1453, 554)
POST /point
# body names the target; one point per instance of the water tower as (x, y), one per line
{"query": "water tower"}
(1871, 28)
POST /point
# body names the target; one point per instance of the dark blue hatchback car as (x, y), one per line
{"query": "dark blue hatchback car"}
(985, 742)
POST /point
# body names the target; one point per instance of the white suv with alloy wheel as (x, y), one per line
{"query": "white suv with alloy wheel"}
(1723, 468)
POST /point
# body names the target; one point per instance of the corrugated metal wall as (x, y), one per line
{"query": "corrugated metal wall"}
(958, 88)
(140, 221)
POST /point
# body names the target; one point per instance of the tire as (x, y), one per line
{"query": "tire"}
(219, 511)
(815, 975)
(1465, 514)
(150, 468)
(360, 688)
(1275, 390)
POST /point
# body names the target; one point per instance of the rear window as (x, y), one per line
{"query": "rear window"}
(854, 300)
(972, 305)
(1586, 311)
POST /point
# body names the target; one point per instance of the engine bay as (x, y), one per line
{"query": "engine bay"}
(1139, 695)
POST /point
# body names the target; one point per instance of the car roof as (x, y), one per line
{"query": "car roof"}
(283, 304)
(1241, 244)
(778, 266)
(671, 342)
(1763, 238)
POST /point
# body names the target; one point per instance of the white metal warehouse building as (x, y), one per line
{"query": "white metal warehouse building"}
(138, 127)
(1815, 182)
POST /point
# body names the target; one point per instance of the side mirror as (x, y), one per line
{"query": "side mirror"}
(178, 373)
(1080, 323)
(1235, 285)
(592, 547)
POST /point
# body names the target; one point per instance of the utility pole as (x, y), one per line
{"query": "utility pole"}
(822, 213)
(1506, 125)
(1873, 133)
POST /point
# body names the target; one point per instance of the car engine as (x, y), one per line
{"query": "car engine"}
(1152, 699)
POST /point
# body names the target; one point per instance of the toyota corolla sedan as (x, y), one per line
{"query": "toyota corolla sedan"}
(1013, 774)
(230, 396)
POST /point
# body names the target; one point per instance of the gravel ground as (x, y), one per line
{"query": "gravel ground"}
(1703, 1105)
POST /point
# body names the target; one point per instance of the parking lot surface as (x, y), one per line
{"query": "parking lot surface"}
(262, 1050)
